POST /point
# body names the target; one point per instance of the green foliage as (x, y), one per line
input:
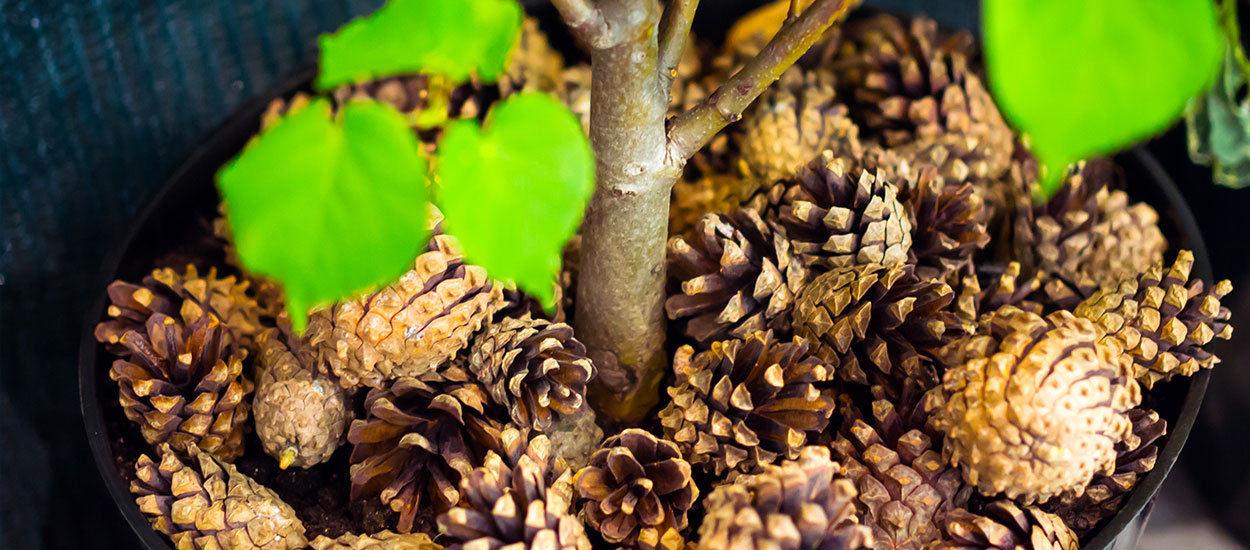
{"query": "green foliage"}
(1218, 122)
(452, 38)
(328, 205)
(514, 191)
(1084, 78)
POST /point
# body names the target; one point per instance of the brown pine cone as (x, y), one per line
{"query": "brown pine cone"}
(535, 368)
(409, 328)
(711, 192)
(792, 123)
(417, 443)
(519, 501)
(948, 226)
(1037, 411)
(904, 486)
(867, 321)
(745, 402)
(801, 504)
(1005, 526)
(737, 278)
(1127, 239)
(636, 489)
(1163, 319)
(1003, 286)
(185, 296)
(184, 385)
(384, 540)
(535, 65)
(207, 504)
(301, 414)
(1135, 457)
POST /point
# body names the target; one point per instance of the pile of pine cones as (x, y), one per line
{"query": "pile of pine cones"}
(887, 344)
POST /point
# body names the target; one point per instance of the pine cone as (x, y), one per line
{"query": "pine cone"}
(836, 216)
(904, 486)
(797, 505)
(186, 297)
(1135, 457)
(1003, 286)
(739, 277)
(1163, 319)
(710, 193)
(866, 322)
(535, 65)
(535, 368)
(417, 443)
(184, 385)
(1127, 239)
(1005, 526)
(636, 490)
(409, 328)
(1038, 405)
(792, 123)
(207, 504)
(745, 402)
(384, 540)
(518, 501)
(301, 414)
(948, 227)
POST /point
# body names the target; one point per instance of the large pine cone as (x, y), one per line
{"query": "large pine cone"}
(184, 385)
(301, 414)
(636, 490)
(1163, 319)
(384, 540)
(208, 505)
(801, 504)
(185, 296)
(948, 226)
(866, 322)
(745, 402)
(1005, 526)
(409, 328)
(535, 368)
(519, 501)
(904, 486)
(1037, 406)
(793, 122)
(737, 278)
(417, 443)
(838, 216)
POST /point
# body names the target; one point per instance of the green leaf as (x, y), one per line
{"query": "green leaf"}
(514, 191)
(1218, 126)
(1084, 78)
(453, 38)
(329, 206)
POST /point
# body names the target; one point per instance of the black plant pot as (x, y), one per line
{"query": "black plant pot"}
(173, 228)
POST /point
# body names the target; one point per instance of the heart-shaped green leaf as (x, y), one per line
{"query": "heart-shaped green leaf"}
(452, 38)
(328, 205)
(1084, 78)
(514, 191)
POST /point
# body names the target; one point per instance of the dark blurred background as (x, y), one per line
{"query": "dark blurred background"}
(101, 100)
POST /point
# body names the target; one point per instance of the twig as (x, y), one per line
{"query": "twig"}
(674, 30)
(586, 22)
(793, 13)
(691, 130)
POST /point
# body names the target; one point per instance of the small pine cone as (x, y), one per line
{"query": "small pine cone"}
(792, 123)
(184, 385)
(185, 296)
(1056, 425)
(867, 321)
(520, 500)
(801, 504)
(1003, 525)
(534, 65)
(904, 486)
(1163, 319)
(836, 216)
(417, 443)
(206, 504)
(535, 368)
(384, 540)
(737, 278)
(409, 328)
(948, 227)
(301, 414)
(636, 489)
(1135, 457)
(745, 402)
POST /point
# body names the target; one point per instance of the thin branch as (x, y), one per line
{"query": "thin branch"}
(691, 130)
(674, 30)
(794, 10)
(586, 22)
